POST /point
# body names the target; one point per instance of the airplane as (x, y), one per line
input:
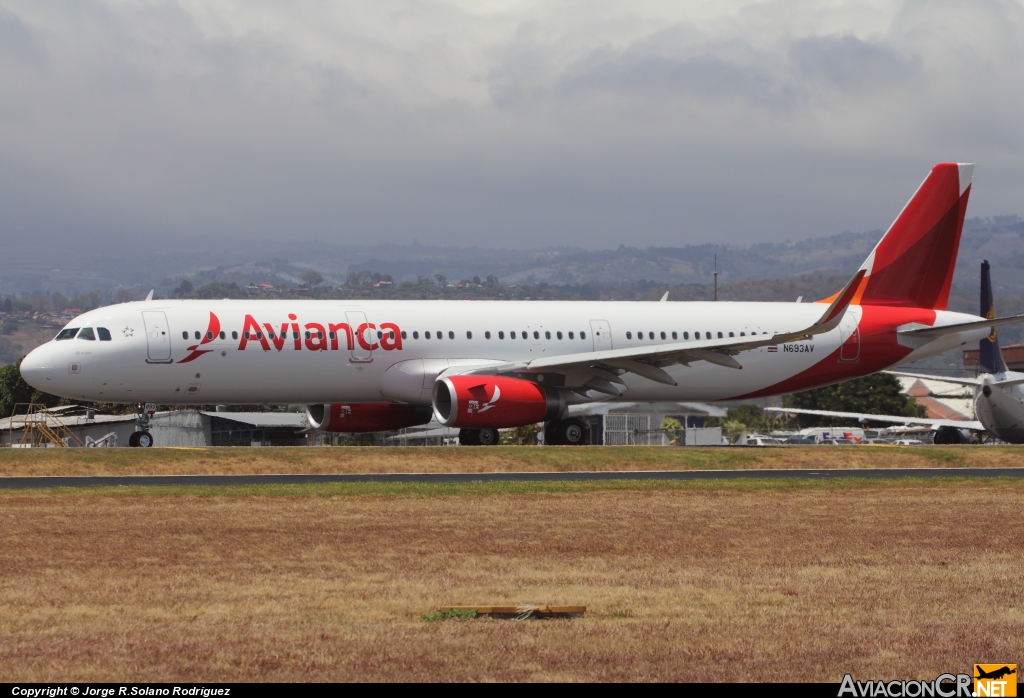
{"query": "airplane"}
(480, 366)
(995, 673)
(998, 394)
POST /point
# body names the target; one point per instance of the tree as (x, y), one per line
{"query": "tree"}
(441, 279)
(8, 306)
(311, 278)
(122, 295)
(875, 394)
(184, 290)
(14, 390)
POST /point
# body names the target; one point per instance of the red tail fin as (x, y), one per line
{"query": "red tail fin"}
(912, 265)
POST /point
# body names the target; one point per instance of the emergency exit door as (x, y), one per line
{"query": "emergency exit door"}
(602, 334)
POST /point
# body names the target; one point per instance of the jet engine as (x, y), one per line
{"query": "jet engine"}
(365, 416)
(493, 402)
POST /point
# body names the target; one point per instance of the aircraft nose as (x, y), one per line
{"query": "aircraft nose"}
(37, 368)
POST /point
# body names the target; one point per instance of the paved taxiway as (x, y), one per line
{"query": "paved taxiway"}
(450, 478)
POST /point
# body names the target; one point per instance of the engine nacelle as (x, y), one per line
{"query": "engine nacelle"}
(365, 416)
(493, 402)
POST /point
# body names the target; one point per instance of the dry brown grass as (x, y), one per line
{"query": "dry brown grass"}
(726, 581)
(169, 461)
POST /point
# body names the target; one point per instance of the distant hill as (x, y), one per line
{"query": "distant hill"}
(27, 268)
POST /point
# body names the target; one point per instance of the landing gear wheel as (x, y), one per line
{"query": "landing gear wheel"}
(567, 432)
(572, 432)
(133, 440)
(487, 437)
(145, 439)
(469, 437)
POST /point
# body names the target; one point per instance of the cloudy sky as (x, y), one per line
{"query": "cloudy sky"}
(498, 123)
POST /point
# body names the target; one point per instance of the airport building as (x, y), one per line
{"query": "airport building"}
(81, 426)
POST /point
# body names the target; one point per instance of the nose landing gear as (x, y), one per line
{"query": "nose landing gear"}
(141, 438)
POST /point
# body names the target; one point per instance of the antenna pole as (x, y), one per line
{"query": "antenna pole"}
(716, 277)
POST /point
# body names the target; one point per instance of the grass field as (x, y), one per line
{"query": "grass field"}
(170, 461)
(750, 580)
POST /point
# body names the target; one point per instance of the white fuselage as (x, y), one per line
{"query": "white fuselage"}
(1001, 408)
(160, 351)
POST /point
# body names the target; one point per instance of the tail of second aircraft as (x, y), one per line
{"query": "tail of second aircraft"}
(990, 356)
(912, 265)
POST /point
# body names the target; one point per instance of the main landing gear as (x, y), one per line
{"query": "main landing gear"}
(478, 437)
(141, 438)
(567, 432)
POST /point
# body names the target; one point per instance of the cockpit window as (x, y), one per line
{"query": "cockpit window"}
(87, 333)
(104, 334)
(66, 333)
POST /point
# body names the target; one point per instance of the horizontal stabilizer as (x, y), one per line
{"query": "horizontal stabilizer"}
(892, 419)
(962, 327)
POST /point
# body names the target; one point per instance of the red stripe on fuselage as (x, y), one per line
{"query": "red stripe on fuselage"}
(879, 349)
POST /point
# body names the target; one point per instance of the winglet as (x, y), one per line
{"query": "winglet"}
(150, 296)
(834, 315)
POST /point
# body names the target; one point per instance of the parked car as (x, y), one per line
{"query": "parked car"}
(797, 439)
(908, 442)
(752, 440)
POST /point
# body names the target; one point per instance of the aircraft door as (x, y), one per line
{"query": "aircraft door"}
(849, 333)
(602, 334)
(158, 336)
(365, 336)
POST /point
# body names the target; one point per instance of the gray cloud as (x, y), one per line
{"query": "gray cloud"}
(512, 124)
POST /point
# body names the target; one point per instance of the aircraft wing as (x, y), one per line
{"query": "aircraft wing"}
(962, 327)
(860, 416)
(604, 368)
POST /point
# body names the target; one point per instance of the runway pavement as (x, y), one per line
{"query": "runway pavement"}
(449, 478)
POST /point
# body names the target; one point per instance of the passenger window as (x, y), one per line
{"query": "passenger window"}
(663, 335)
(87, 333)
(403, 335)
(512, 334)
(426, 335)
(246, 336)
(308, 335)
(197, 334)
(222, 335)
(416, 334)
(583, 335)
(707, 335)
(675, 336)
(440, 336)
(570, 335)
(487, 334)
(469, 335)
(547, 335)
(332, 335)
(451, 335)
(501, 335)
(686, 335)
(536, 334)
(629, 335)
(719, 335)
(103, 333)
(731, 334)
(650, 335)
(259, 335)
(558, 334)
(184, 335)
(209, 336)
(66, 333)
(742, 334)
(234, 334)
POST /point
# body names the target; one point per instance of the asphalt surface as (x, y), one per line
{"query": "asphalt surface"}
(11, 483)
